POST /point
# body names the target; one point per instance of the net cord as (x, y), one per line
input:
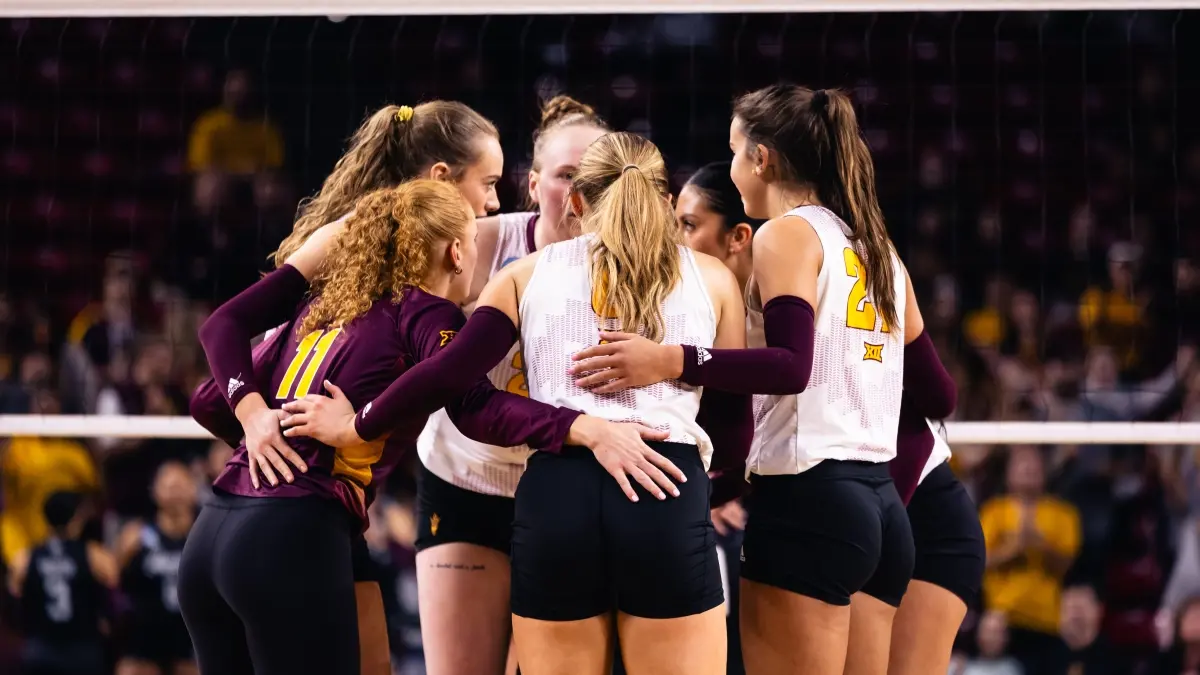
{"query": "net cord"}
(958, 433)
(164, 8)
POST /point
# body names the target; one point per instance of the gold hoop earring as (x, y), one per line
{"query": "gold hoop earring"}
(458, 270)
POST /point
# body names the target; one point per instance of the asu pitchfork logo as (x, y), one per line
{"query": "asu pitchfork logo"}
(447, 336)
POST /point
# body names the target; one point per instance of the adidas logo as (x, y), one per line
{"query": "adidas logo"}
(702, 356)
(234, 385)
(366, 409)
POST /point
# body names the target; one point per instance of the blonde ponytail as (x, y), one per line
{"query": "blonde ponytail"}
(635, 262)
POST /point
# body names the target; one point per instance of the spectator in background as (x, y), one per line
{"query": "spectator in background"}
(1024, 335)
(31, 469)
(35, 372)
(233, 143)
(99, 335)
(1183, 658)
(206, 469)
(984, 327)
(1184, 583)
(62, 585)
(1082, 652)
(992, 639)
(1032, 539)
(1114, 313)
(147, 387)
(1186, 312)
(1105, 398)
(149, 553)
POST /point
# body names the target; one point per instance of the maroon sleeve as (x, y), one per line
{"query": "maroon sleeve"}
(210, 410)
(226, 335)
(914, 445)
(454, 360)
(208, 407)
(782, 367)
(729, 421)
(934, 393)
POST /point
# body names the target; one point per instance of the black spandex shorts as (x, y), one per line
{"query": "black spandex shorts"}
(945, 526)
(828, 533)
(581, 548)
(160, 638)
(365, 569)
(266, 586)
(447, 514)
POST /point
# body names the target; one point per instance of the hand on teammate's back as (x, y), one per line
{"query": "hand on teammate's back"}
(625, 360)
(621, 449)
(329, 419)
(267, 450)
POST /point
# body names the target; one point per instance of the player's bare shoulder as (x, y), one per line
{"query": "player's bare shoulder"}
(718, 279)
(507, 286)
(788, 230)
(489, 235)
(519, 272)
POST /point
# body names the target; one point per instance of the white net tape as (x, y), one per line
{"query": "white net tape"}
(958, 433)
(157, 8)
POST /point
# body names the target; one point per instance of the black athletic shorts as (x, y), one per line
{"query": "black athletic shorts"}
(365, 569)
(949, 540)
(828, 533)
(266, 586)
(448, 514)
(159, 637)
(581, 548)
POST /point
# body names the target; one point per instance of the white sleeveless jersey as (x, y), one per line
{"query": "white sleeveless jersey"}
(558, 319)
(444, 450)
(940, 454)
(851, 408)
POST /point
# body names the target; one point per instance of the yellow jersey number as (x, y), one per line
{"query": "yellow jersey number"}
(517, 384)
(860, 313)
(316, 343)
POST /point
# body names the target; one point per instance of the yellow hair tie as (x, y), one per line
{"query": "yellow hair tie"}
(404, 114)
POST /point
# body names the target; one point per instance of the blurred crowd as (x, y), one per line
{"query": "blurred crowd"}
(1055, 274)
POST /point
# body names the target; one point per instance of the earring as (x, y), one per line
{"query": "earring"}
(458, 270)
(758, 171)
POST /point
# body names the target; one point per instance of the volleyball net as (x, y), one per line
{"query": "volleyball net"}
(957, 433)
(1036, 161)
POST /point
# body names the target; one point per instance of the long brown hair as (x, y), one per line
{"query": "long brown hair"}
(388, 245)
(393, 145)
(816, 137)
(635, 261)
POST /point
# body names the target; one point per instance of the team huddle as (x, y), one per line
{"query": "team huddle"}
(631, 362)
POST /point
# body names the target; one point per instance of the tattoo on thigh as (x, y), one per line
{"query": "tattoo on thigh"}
(461, 567)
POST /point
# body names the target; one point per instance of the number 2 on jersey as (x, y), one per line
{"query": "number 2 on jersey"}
(517, 384)
(860, 313)
(316, 343)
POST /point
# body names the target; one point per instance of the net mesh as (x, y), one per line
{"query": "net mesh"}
(1037, 170)
(1020, 155)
